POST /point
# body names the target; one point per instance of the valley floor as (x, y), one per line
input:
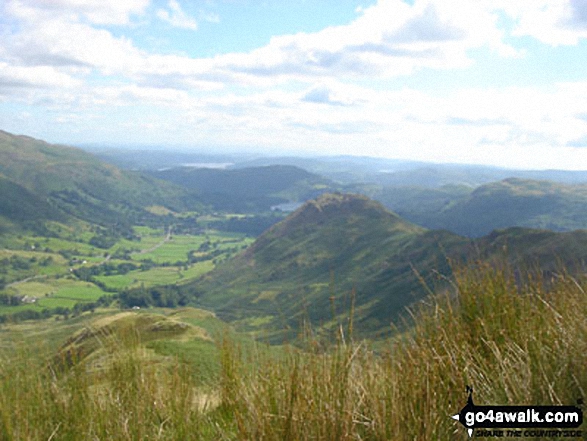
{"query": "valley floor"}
(42, 276)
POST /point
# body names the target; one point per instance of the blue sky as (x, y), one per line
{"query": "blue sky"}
(486, 81)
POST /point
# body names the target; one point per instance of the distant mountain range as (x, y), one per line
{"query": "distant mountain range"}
(467, 200)
(336, 253)
(349, 169)
(306, 267)
(476, 212)
(41, 181)
(248, 189)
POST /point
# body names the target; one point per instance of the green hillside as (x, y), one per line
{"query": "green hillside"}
(345, 249)
(517, 202)
(22, 207)
(184, 375)
(422, 205)
(306, 266)
(508, 203)
(252, 188)
(68, 182)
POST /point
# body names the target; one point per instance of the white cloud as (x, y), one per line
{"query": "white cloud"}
(324, 90)
(389, 39)
(130, 95)
(103, 12)
(177, 17)
(46, 43)
(14, 79)
(553, 22)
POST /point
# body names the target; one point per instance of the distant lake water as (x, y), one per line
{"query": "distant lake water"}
(218, 165)
(287, 206)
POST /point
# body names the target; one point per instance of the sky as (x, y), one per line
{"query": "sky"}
(496, 82)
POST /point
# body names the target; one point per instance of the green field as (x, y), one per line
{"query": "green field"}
(63, 286)
(44, 269)
(178, 247)
(156, 276)
(198, 270)
(175, 250)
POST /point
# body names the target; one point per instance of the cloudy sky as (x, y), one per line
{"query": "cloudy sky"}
(500, 82)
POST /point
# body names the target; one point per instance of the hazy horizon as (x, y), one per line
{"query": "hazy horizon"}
(458, 82)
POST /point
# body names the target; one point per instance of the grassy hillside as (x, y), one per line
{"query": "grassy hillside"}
(516, 202)
(88, 377)
(305, 267)
(22, 207)
(245, 189)
(508, 203)
(422, 205)
(137, 375)
(75, 184)
(344, 252)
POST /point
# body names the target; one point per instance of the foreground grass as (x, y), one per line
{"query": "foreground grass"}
(515, 341)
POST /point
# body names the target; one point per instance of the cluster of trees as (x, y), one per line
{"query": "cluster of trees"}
(27, 314)
(21, 263)
(86, 273)
(187, 225)
(69, 254)
(106, 238)
(250, 225)
(60, 311)
(169, 296)
(103, 241)
(7, 299)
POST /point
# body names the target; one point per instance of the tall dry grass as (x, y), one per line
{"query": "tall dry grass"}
(516, 340)
(120, 397)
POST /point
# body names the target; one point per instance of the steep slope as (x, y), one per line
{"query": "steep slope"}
(248, 188)
(20, 206)
(306, 267)
(76, 184)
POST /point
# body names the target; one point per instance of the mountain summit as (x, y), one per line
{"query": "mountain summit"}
(343, 249)
(335, 221)
(306, 266)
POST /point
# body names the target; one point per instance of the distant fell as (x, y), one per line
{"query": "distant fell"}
(250, 188)
(508, 203)
(345, 252)
(67, 182)
(305, 267)
(331, 212)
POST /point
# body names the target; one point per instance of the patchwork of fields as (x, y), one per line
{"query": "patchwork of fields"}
(45, 273)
